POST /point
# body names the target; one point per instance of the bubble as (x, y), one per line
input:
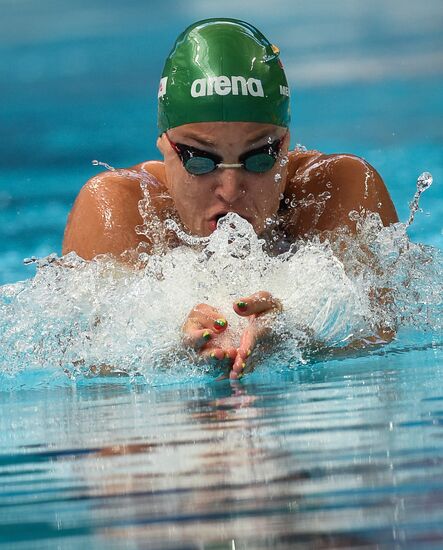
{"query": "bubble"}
(284, 161)
(277, 178)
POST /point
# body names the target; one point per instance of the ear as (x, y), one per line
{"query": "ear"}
(287, 141)
(161, 145)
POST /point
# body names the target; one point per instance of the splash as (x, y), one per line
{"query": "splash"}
(85, 318)
(424, 181)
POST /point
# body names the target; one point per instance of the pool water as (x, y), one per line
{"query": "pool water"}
(321, 451)
(337, 454)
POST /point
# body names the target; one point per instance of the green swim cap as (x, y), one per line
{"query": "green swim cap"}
(223, 70)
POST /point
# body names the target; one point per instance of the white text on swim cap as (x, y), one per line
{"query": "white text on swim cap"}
(224, 85)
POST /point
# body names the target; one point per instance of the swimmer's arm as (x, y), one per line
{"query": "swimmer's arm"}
(104, 217)
(357, 186)
(350, 184)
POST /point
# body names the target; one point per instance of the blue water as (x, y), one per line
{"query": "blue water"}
(336, 452)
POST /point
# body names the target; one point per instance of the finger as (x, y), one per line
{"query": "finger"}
(205, 316)
(230, 354)
(220, 358)
(248, 340)
(197, 338)
(247, 343)
(238, 367)
(256, 304)
(237, 372)
(215, 354)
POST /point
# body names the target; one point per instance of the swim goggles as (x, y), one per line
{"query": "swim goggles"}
(198, 162)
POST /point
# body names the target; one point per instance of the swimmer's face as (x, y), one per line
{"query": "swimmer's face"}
(201, 200)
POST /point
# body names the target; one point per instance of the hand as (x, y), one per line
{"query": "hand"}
(205, 331)
(257, 308)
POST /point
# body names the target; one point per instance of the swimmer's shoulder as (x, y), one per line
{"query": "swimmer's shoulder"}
(299, 159)
(106, 210)
(311, 171)
(339, 183)
(128, 182)
(312, 165)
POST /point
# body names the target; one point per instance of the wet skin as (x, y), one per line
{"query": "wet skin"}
(106, 212)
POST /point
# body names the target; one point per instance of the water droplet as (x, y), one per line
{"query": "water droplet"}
(293, 203)
(324, 196)
(286, 201)
(284, 161)
(424, 181)
(99, 163)
(281, 196)
(277, 178)
(300, 148)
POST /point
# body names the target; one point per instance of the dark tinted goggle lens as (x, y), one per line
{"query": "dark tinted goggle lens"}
(261, 162)
(198, 162)
(199, 165)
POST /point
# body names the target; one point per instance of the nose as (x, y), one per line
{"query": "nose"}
(229, 184)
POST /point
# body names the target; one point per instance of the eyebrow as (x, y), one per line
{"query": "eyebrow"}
(202, 140)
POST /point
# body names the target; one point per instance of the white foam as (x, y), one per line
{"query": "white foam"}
(76, 315)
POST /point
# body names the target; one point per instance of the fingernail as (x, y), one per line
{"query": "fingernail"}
(206, 335)
(243, 365)
(220, 324)
(242, 305)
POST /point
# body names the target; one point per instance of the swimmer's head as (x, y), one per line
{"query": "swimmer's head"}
(223, 70)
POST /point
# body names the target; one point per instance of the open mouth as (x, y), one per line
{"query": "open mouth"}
(214, 220)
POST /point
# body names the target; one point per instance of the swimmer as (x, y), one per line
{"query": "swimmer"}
(223, 131)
